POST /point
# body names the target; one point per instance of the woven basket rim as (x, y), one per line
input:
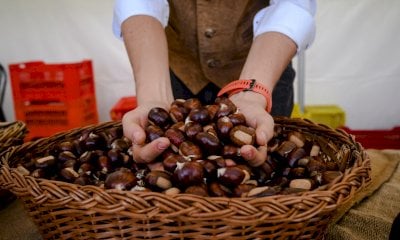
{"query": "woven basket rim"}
(326, 198)
(11, 133)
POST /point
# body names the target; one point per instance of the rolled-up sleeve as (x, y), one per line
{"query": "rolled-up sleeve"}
(294, 18)
(124, 9)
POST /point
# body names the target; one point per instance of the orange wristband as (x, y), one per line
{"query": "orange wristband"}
(247, 85)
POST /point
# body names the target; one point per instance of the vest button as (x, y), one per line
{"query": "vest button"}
(209, 32)
(213, 63)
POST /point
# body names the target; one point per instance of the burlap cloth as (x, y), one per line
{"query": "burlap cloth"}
(368, 216)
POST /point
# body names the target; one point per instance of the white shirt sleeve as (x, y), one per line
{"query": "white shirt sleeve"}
(123, 9)
(294, 18)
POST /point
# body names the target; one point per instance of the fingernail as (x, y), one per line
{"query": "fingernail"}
(162, 145)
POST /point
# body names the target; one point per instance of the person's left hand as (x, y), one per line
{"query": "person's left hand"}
(253, 106)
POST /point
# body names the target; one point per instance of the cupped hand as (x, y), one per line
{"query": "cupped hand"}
(134, 123)
(253, 105)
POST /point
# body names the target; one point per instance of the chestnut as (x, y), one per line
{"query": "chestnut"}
(176, 137)
(153, 132)
(172, 191)
(210, 169)
(218, 160)
(302, 183)
(199, 190)
(230, 151)
(66, 146)
(219, 190)
(120, 144)
(242, 135)
(159, 116)
(199, 115)
(297, 138)
(315, 149)
(231, 176)
(242, 190)
(116, 158)
(285, 148)
(237, 118)
(85, 169)
(65, 156)
(226, 107)
(188, 174)
(83, 180)
(158, 180)
(179, 125)
(212, 111)
(104, 164)
(192, 103)
(209, 143)
(178, 113)
(87, 157)
(94, 141)
(224, 126)
(170, 162)
(295, 156)
(264, 191)
(69, 174)
(192, 129)
(122, 179)
(190, 151)
(45, 162)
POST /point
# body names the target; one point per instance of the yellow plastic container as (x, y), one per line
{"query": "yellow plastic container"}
(330, 115)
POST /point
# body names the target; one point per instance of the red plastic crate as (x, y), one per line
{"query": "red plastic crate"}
(377, 139)
(51, 98)
(125, 104)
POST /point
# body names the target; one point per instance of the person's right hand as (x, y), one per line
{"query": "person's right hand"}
(134, 123)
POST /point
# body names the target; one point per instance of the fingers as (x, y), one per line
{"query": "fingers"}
(264, 129)
(148, 152)
(133, 126)
(254, 156)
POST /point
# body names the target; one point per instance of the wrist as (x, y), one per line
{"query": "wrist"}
(249, 90)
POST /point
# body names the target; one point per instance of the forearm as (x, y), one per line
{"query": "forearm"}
(269, 55)
(147, 49)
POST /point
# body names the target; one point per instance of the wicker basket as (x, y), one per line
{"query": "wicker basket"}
(68, 211)
(11, 134)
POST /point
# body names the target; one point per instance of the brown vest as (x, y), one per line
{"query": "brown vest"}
(209, 39)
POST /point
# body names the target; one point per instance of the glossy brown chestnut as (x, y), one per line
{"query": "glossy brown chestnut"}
(224, 126)
(188, 174)
(231, 176)
(159, 116)
(175, 136)
(190, 151)
(192, 129)
(199, 115)
(199, 190)
(122, 179)
(153, 132)
(158, 180)
(242, 135)
(208, 143)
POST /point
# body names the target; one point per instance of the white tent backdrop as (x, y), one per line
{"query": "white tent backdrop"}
(354, 62)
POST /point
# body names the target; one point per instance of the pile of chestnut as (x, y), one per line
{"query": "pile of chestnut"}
(203, 158)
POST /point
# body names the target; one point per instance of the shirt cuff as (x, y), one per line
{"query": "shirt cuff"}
(124, 9)
(287, 18)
